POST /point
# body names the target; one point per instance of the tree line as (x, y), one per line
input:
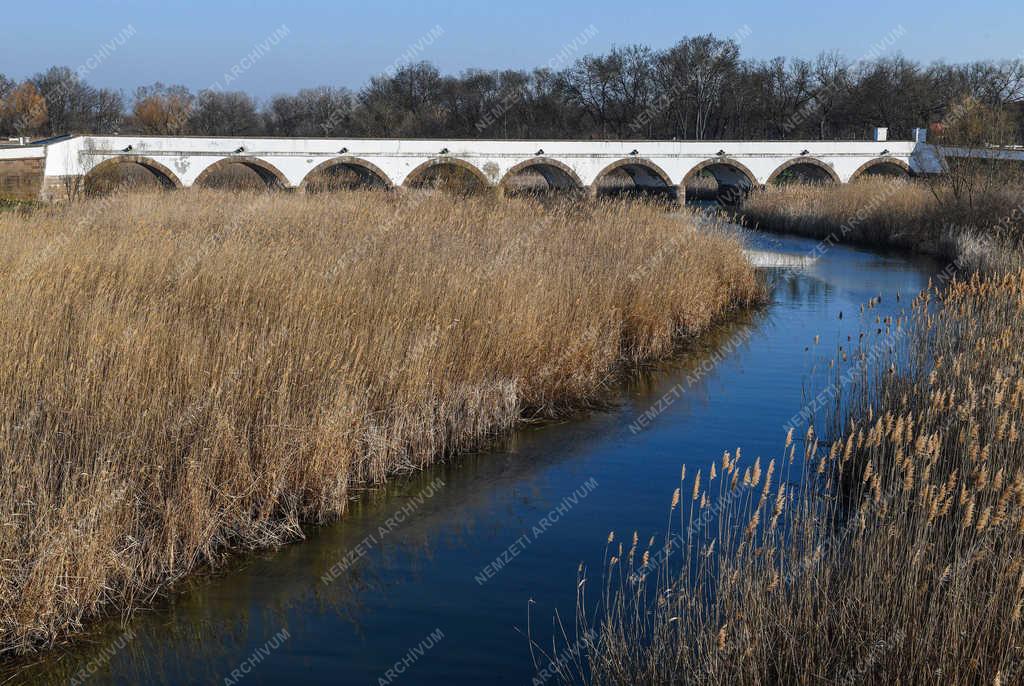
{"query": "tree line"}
(700, 88)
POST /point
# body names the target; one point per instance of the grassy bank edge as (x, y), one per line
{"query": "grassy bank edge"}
(571, 402)
(764, 620)
(909, 216)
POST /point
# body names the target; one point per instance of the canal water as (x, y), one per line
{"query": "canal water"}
(438, 579)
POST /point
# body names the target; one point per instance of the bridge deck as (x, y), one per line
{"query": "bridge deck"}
(289, 162)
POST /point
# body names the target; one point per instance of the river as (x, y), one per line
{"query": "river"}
(434, 578)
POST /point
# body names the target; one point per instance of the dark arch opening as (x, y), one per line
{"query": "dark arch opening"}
(734, 181)
(345, 174)
(541, 177)
(449, 176)
(634, 178)
(701, 187)
(128, 173)
(241, 175)
(884, 167)
(803, 170)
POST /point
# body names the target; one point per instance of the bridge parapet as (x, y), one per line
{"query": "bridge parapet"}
(289, 162)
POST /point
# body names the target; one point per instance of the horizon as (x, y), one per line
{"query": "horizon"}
(294, 52)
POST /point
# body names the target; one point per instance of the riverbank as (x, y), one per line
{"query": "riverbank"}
(191, 382)
(984, 233)
(886, 550)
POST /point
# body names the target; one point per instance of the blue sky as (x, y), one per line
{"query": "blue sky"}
(344, 42)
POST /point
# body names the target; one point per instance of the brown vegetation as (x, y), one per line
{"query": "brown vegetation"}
(123, 176)
(190, 373)
(702, 186)
(898, 556)
(25, 109)
(162, 110)
(892, 550)
(978, 221)
(701, 88)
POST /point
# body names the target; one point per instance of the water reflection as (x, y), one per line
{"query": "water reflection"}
(421, 575)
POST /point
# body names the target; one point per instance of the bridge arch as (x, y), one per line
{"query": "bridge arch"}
(557, 175)
(370, 175)
(734, 179)
(646, 176)
(432, 170)
(882, 166)
(810, 168)
(271, 176)
(163, 175)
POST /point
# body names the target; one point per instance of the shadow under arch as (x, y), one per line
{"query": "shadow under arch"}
(557, 175)
(370, 175)
(271, 176)
(646, 177)
(808, 168)
(437, 173)
(163, 175)
(882, 166)
(734, 179)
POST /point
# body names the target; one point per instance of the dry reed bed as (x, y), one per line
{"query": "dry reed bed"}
(898, 559)
(185, 374)
(983, 233)
(892, 554)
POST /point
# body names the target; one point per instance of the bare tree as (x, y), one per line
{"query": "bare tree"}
(74, 105)
(311, 112)
(969, 182)
(162, 110)
(6, 124)
(699, 88)
(589, 84)
(832, 80)
(405, 103)
(24, 110)
(225, 114)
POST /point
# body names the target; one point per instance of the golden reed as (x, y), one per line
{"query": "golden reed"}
(186, 374)
(891, 553)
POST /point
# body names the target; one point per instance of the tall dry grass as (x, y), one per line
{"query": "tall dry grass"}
(985, 232)
(893, 554)
(189, 373)
(703, 186)
(890, 551)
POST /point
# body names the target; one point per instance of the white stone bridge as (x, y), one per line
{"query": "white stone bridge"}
(46, 170)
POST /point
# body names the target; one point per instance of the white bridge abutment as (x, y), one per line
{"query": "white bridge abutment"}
(43, 171)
